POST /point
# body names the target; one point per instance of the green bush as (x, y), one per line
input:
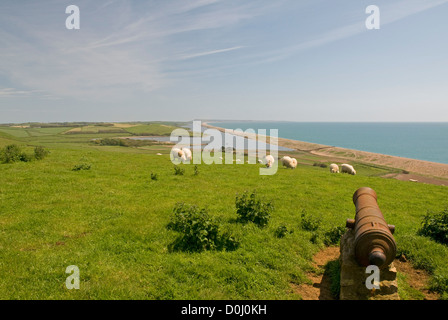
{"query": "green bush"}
(40, 153)
(199, 231)
(12, 153)
(81, 166)
(24, 157)
(332, 236)
(435, 226)
(123, 142)
(249, 208)
(282, 231)
(309, 222)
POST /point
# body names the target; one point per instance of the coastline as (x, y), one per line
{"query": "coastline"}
(414, 166)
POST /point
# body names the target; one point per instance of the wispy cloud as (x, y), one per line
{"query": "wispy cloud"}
(128, 47)
(208, 53)
(116, 53)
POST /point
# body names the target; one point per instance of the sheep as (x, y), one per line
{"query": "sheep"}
(294, 163)
(187, 154)
(159, 154)
(346, 168)
(178, 154)
(269, 161)
(289, 162)
(334, 168)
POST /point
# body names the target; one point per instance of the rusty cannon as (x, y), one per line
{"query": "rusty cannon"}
(374, 243)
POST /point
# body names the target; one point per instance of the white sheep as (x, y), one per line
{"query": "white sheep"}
(187, 154)
(334, 168)
(177, 154)
(294, 163)
(269, 161)
(289, 162)
(346, 168)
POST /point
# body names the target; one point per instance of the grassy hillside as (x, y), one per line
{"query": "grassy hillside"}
(111, 221)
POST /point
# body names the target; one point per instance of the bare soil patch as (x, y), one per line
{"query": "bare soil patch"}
(417, 178)
(320, 287)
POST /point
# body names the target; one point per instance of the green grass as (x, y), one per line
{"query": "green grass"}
(154, 129)
(111, 221)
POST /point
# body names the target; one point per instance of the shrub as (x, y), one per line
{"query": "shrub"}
(154, 176)
(199, 231)
(24, 157)
(333, 235)
(435, 226)
(81, 166)
(249, 208)
(123, 142)
(178, 171)
(40, 153)
(309, 222)
(10, 154)
(282, 231)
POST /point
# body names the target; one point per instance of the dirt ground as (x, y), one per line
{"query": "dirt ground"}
(417, 178)
(320, 287)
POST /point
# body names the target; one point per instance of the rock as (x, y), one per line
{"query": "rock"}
(353, 276)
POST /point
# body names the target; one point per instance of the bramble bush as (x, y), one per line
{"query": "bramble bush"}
(309, 222)
(282, 231)
(12, 153)
(250, 208)
(81, 166)
(435, 226)
(332, 236)
(40, 153)
(199, 231)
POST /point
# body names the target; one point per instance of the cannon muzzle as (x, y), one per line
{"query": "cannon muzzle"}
(374, 243)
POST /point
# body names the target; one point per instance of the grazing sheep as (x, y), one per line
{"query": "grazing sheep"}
(187, 154)
(334, 168)
(177, 154)
(294, 163)
(269, 161)
(159, 154)
(289, 162)
(346, 168)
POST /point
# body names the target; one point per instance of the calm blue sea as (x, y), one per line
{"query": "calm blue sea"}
(423, 141)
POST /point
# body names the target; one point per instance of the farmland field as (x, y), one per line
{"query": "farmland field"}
(111, 221)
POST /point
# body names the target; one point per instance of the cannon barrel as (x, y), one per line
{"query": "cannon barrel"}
(374, 243)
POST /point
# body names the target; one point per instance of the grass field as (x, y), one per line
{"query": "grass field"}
(111, 221)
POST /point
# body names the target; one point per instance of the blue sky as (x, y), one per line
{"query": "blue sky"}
(223, 59)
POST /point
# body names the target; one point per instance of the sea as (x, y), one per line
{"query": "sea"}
(417, 140)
